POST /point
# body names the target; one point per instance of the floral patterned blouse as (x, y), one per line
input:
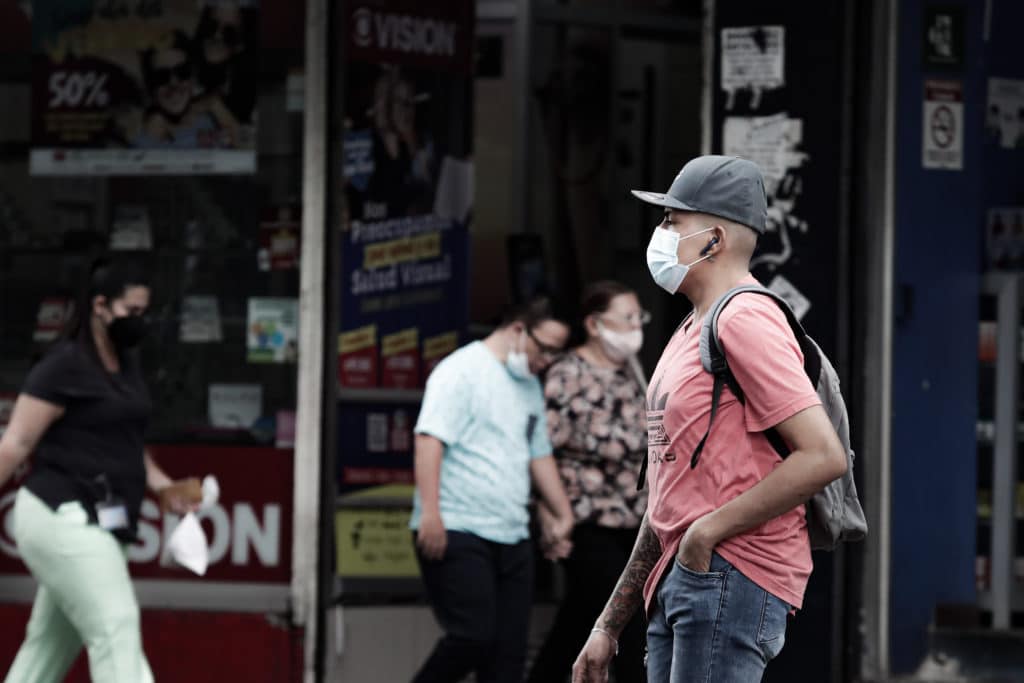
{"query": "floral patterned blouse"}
(597, 425)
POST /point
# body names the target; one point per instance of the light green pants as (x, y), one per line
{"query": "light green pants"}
(85, 596)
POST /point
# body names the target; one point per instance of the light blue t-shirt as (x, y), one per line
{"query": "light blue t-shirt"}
(492, 426)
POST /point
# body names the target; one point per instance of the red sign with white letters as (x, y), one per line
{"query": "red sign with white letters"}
(249, 529)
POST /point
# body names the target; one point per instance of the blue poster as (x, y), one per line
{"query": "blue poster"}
(408, 185)
(407, 181)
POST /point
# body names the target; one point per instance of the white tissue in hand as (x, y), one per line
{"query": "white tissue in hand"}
(187, 545)
(211, 491)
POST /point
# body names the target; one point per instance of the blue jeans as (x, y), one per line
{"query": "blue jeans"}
(716, 627)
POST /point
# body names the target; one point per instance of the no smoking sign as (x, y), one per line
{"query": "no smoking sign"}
(943, 125)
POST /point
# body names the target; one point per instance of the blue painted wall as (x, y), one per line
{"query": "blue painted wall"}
(938, 218)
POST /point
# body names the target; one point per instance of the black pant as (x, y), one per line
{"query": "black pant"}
(598, 557)
(481, 593)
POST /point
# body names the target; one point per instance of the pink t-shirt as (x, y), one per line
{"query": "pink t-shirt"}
(768, 365)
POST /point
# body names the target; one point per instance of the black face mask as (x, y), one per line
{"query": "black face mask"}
(127, 331)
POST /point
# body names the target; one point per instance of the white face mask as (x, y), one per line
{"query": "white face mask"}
(620, 345)
(663, 258)
(517, 362)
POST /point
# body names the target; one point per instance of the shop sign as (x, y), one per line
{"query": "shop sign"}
(249, 530)
(435, 35)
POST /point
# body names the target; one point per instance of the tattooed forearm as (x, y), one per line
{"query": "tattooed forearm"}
(629, 591)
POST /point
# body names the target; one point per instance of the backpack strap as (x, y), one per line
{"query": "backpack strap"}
(716, 397)
(712, 358)
(711, 351)
(812, 359)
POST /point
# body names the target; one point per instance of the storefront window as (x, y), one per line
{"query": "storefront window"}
(218, 245)
(169, 133)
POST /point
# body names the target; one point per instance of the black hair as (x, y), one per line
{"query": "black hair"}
(108, 277)
(536, 311)
(233, 80)
(597, 296)
(207, 25)
(179, 41)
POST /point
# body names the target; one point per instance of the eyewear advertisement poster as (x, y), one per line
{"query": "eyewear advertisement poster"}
(143, 87)
(408, 187)
(408, 183)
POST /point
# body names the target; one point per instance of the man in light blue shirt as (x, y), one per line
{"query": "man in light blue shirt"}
(481, 438)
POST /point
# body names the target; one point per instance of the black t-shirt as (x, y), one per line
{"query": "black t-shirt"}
(99, 436)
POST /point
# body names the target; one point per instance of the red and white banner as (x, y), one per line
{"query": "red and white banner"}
(406, 32)
(248, 530)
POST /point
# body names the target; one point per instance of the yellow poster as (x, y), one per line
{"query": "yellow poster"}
(403, 250)
(399, 342)
(356, 340)
(436, 348)
(374, 542)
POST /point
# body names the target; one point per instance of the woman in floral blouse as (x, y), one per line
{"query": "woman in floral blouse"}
(595, 412)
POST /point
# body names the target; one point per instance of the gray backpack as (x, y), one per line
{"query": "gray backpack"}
(834, 514)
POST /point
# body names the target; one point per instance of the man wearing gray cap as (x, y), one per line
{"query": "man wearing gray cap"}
(723, 555)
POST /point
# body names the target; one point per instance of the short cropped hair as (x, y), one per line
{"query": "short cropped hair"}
(537, 310)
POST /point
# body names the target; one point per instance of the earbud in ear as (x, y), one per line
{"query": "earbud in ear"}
(706, 249)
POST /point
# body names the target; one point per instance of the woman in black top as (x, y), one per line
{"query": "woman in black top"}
(83, 412)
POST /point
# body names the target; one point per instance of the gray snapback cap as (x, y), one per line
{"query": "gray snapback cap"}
(728, 187)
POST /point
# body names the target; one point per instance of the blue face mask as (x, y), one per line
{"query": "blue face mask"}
(517, 362)
(663, 258)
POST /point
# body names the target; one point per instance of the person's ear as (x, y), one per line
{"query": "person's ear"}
(714, 243)
(590, 325)
(99, 305)
(709, 247)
